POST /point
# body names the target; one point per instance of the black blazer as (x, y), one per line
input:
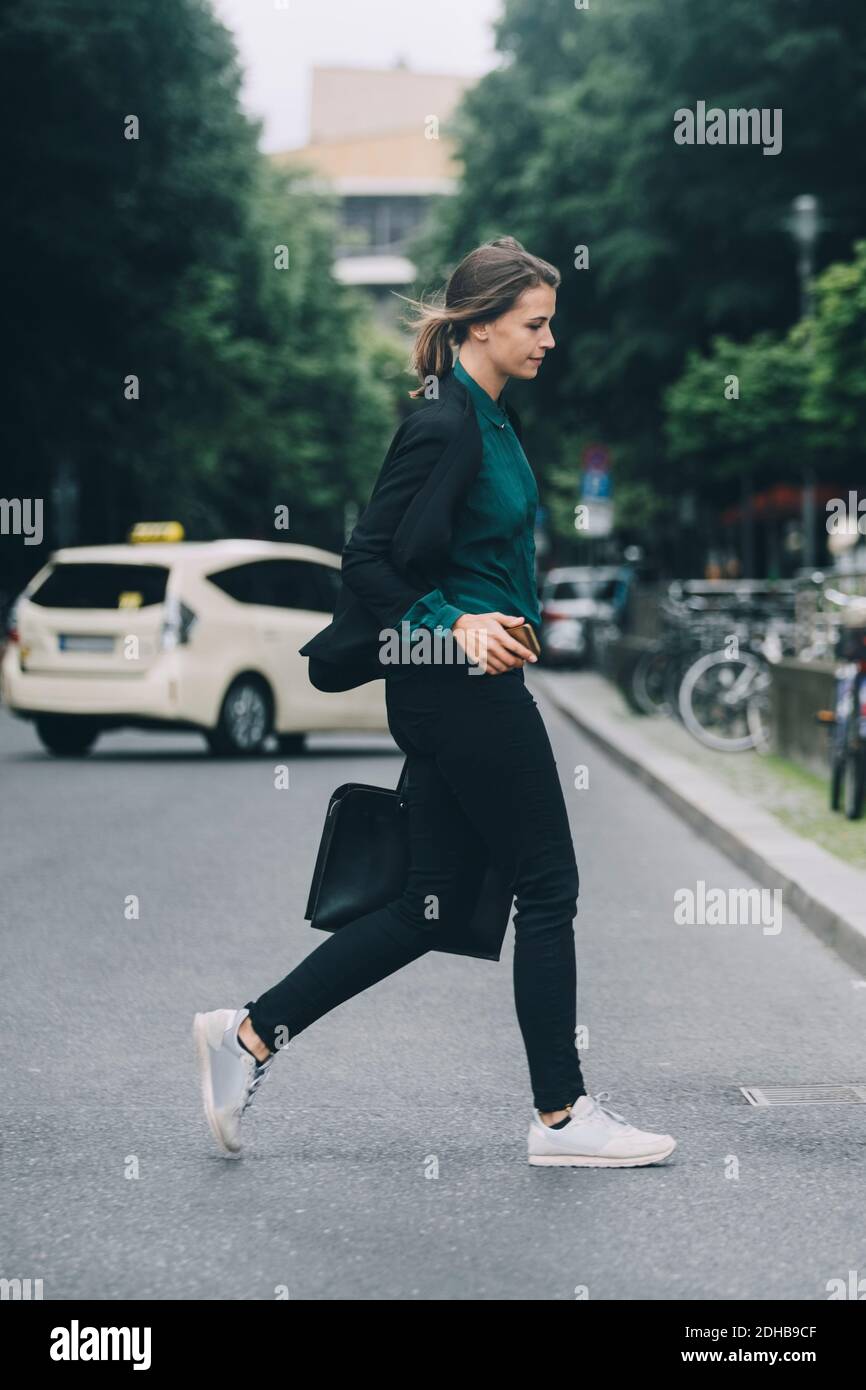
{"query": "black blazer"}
(398, 549)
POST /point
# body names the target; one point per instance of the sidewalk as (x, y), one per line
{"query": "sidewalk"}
(762, 812)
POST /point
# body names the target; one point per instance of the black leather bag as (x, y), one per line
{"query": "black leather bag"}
(363, 862)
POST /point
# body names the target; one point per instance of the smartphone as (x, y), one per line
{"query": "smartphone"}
(525, 633)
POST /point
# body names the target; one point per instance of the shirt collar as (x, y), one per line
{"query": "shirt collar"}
(483, 402)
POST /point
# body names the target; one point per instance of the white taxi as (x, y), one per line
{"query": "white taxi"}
(193, 635)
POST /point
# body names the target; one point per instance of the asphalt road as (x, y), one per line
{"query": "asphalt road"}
(110, 1186)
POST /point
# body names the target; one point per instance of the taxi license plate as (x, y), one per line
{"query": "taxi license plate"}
(75, 642)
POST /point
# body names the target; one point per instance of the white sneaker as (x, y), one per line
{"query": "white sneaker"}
(230, 1076)
(596, 1137)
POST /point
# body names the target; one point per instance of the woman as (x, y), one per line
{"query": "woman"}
(473, 735)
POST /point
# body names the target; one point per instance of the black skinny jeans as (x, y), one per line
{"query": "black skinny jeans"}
(476, 744)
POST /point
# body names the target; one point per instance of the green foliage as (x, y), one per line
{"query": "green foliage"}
(737, 411)
(156, 258)
(836, 400)
(802, 398)
(571, 143)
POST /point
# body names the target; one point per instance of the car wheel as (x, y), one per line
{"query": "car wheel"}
(245, 719)
(67, 736)
(290, 743)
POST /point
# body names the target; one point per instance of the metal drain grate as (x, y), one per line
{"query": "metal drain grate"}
(825, 1093)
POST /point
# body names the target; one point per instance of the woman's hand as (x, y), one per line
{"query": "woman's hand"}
(484, 638)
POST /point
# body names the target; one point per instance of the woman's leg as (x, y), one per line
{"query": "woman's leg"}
(499, 763)
(375, 945)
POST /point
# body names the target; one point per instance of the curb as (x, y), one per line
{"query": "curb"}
(828, 895)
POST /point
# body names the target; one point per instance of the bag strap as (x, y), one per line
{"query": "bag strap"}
(403, 774)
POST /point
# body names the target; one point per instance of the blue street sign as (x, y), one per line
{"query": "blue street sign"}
(595, 484)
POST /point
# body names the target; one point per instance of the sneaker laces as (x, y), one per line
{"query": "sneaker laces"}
(597, 1100)
(601, 1096)
(261, 1072)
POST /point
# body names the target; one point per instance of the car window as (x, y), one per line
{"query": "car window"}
(249, 583)
(592, 586)
(328, 582)
(95, 585)
(573, 588)
(236, 582)
(275, 584)
(606, 590)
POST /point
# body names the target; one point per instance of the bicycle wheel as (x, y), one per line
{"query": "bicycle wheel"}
(649, 682)
(676, 670)
(759, 712)
(714, 700)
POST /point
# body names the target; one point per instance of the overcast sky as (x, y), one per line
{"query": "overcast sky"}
(279, 45)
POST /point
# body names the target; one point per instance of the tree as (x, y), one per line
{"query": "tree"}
(836, 399)
(133, 166)
(571, 143)
(736, 414)
(170, 359)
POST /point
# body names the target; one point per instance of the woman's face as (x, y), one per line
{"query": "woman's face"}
(518, 340)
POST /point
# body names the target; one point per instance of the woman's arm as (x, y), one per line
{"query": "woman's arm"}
(367, 568)
(432, 610)
(370, 574)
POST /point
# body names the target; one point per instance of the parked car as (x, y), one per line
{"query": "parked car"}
(194, 635)
(574, 600)
(6, 617)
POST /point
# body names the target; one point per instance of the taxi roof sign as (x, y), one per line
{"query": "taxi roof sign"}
(145, 532)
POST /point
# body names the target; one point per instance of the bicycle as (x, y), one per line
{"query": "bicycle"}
(724, 697)
(690, 627)
(847, 720)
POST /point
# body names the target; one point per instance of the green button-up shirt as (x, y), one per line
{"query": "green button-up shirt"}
(491, 561)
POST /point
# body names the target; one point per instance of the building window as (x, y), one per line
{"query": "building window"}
(380, 224)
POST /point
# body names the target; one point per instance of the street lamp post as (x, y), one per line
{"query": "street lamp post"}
(804, 226)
